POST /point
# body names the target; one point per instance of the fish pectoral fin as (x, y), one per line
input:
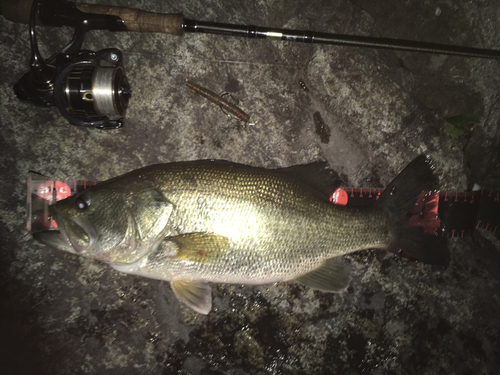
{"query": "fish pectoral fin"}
(196, 294)
(329, 277)
(200, 247)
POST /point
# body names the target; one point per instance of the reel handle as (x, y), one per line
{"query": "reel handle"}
(134, 19)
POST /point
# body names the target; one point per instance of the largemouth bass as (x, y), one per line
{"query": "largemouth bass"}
(191, 223)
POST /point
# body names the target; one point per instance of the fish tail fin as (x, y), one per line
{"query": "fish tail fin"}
(398, 201)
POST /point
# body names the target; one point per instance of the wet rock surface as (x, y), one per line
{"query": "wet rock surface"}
(378, 110)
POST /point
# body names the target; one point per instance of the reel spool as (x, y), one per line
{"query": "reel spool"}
(100, 91)
(93, 90)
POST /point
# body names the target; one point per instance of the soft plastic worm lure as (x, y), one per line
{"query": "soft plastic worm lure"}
(223, 103)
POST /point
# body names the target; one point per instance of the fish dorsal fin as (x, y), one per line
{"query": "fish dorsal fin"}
(196, 294)
(317, 174)
(329, 277)
(200, 247)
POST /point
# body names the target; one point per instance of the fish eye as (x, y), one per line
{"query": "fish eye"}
(82, 202)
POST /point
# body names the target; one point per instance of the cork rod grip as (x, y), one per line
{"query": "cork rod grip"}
(135, 19)
(139, 20)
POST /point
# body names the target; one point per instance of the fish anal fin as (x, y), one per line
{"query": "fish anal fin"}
(331, 276)
(200, 247)
(196, 294)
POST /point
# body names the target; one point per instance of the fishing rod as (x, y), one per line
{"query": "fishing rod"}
(176, 24)
(67, 78)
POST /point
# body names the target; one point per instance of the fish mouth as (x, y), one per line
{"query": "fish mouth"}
(54, 239)
(76, 230)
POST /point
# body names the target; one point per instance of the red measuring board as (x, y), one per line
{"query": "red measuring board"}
(42, 192)
(450, 214)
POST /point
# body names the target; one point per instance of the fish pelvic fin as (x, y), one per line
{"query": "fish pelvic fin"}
(398, 201)
(196, 294)
(329, 277)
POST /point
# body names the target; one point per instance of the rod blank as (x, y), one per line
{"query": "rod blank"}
(249, 31)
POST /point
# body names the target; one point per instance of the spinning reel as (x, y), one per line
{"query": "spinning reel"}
(88, 88)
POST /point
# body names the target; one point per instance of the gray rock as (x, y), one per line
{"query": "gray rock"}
(62, 314)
